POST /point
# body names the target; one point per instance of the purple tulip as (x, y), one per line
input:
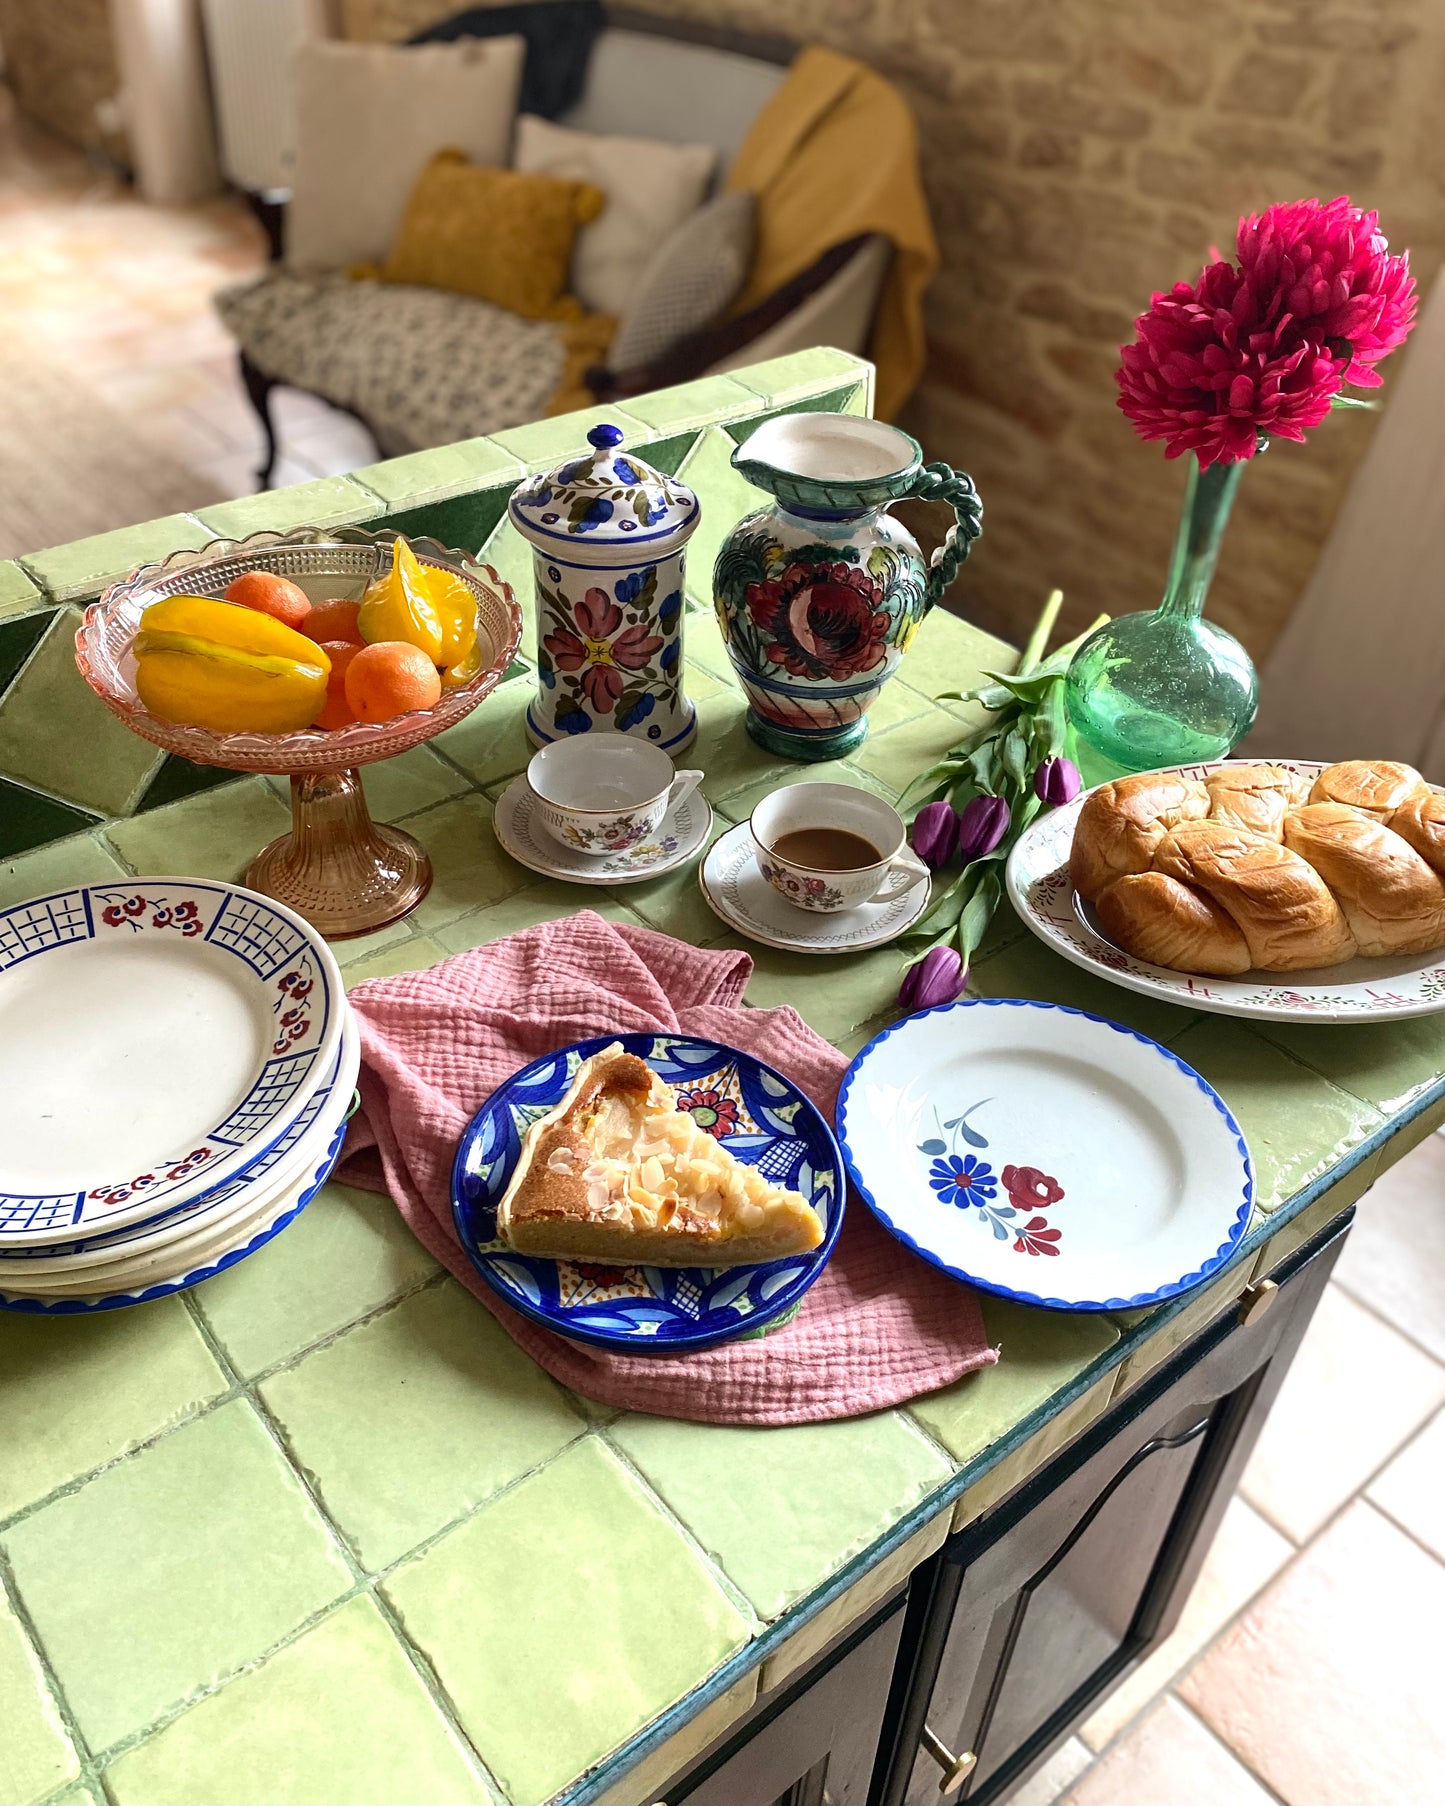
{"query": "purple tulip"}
(935, 834)
(936, 978)
(981, 826)
(1057, 781)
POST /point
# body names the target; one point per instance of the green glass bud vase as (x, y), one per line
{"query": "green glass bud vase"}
(1167, 687)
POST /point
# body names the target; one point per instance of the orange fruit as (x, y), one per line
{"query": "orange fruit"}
(391, 678)
(336, 711)
(271, 595)
(330, 621)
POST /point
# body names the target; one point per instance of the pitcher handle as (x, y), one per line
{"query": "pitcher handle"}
(942, 483)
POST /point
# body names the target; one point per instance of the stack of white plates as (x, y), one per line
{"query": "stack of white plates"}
(177, 1064)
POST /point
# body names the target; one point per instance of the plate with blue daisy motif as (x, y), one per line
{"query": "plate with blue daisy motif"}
(760, 1116)
(1045, 1154)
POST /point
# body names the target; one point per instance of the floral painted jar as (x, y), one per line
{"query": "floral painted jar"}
(819, 595)
(608, 534)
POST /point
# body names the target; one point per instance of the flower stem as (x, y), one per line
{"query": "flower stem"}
(1039, 638)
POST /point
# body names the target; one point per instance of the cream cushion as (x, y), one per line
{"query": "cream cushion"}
(369, 116)
(688, 281)
(650, 187)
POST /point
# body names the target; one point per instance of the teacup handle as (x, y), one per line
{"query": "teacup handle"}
(942, 483)
(682, 786)
(905, 869)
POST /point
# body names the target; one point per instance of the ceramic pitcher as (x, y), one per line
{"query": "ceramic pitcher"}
(819, 595)
(608, 533)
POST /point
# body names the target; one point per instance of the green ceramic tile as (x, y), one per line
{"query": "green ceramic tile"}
(646, 1779)
(348, 1253)
(738, 805)
(411, 781)
(80, 860)
(1387, 1063)
(340, 1715)
(803, 373)
(726, 498)
(666, 454)
(414, 954)
(1026, 968)
(1040, 1353)
(18, 639)
(415, 1418)
(465, 521)
(546, 442)
(850, 398)
(752, 1497)
(28, 820)
(491, 743)
(214, 835)
(76, 1392)
(902, 754)
(703, 645)
(469, 869)
(172, 1570)
(36, 1755)
(18, 595)
(534, 1620)
(675, 903)
(723, 750)
(1295, 1123)
(951, 654)
(832, 994)
(510, 557)
(178, 778)
(540, 902)
(701, 684)
(82, 569)
(435, 475)
(55, 733)
(323, 502)
(693, 404)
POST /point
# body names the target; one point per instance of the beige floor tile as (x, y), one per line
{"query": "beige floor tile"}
(1061, 1770)
(1357, 1392)
(1330, 1686)
(1394, 1260)
(1247, 1553)
(1168, 1759)
(1412, 1488)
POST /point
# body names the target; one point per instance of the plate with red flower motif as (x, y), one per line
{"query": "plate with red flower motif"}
(1045, 1154)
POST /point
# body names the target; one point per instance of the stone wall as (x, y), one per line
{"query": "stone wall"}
(1079, 154)
(60, 62)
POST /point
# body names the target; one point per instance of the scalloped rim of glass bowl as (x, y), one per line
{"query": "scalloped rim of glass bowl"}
(1359, 990)
(314, 749)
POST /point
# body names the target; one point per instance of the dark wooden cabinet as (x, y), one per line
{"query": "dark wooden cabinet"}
(972, 1674)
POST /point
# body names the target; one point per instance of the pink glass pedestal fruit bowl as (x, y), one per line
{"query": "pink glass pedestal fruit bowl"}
(345, 873)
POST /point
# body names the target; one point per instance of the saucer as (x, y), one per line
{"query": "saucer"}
(518, 824)
(738, 892)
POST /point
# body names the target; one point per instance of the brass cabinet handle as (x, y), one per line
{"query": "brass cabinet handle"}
(956, 1769)
(1255, 1300)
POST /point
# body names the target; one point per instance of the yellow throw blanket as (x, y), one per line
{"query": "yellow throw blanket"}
(832, 155)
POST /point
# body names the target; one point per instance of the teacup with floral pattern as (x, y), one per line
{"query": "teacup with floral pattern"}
(603, 793)
(813, 805)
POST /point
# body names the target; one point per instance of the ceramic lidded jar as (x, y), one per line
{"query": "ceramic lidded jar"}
(608, 533)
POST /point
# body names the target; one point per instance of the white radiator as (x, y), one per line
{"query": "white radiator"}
(250, 44)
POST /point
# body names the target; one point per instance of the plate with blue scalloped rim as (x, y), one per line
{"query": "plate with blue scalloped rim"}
(1045, 1154)
(754, 1111)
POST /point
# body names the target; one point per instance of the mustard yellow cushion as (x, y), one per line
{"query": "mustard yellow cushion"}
(500, 234)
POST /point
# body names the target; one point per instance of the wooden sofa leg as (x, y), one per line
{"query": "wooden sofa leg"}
(258, 388)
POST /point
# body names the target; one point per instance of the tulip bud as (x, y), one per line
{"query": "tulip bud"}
(936, 978)
(981, 826)
(1057, 781)
(935, 834)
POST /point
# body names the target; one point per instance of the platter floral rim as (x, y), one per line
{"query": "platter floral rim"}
(690, 822)
(655, 1310)
(1036, 878)
(1029, 1182)
(282, 953)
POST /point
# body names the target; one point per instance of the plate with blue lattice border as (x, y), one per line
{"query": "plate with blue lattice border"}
(158, 1036)
(758, 1115)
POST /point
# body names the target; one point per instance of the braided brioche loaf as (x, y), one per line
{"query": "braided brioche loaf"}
(1255, 867)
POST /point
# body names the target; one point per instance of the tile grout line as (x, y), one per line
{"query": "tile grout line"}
(1404, 1529)
(1229, 1749)
(80, 1746)
(1372, 1310)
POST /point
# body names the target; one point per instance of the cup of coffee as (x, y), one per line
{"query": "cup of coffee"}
(603, 793)
(831, 846)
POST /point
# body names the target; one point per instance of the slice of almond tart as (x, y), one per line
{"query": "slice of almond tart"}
(616, 1174)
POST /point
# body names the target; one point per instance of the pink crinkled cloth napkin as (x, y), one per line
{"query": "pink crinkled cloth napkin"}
(880, 1326)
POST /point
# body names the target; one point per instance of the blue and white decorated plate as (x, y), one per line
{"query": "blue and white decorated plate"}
(760, 1116)
(157, 1036)
(1045, 1154)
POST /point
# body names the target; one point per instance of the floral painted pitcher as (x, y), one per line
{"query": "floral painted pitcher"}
(608, 533)
(819, 595)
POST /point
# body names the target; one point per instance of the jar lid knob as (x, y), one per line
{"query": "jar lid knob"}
(605, 436)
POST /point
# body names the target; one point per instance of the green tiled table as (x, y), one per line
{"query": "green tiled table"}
(318, 1532)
